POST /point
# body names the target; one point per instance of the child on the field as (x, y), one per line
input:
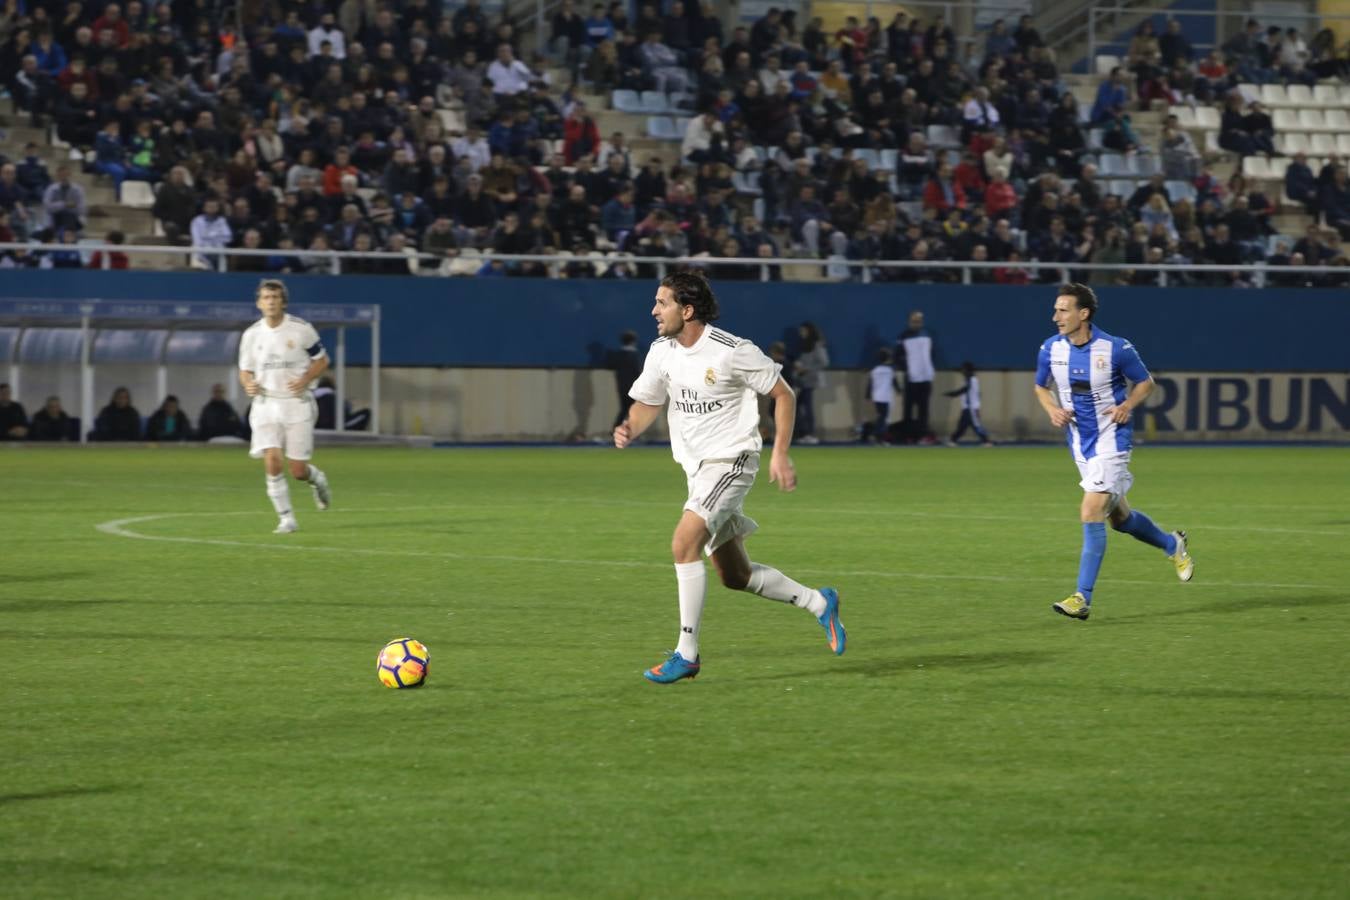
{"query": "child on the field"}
(881, 392)
(970, 407)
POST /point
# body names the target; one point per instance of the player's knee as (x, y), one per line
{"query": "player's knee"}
(299, 470)
(735, 579)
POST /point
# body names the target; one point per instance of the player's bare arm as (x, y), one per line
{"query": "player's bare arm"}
(316, 368)
(1138, 394)
(781, 470)
(249, 382)
(640, 417)
(1059, 416)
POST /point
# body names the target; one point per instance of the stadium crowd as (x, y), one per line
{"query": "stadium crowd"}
(409, 127)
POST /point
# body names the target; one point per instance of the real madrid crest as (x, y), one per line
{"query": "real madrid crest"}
(290, 345)
(710, 377)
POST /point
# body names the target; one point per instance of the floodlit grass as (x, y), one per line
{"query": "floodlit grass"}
(191, 709)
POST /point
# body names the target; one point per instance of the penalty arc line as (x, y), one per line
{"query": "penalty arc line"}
(118, 528)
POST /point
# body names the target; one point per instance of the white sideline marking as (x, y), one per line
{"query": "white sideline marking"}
(118, 528)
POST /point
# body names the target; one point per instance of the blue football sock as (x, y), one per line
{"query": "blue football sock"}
(1141, 528)
(1094, 548)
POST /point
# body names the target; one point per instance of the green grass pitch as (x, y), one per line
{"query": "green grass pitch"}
(190, 705)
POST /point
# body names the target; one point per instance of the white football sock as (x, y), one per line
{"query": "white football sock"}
(280, 494)
(312, 474)
(693, 583)
(773, 584)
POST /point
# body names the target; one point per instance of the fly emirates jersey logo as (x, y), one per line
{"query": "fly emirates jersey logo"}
(688, 402)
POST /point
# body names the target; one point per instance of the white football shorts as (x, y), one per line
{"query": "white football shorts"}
(1106, 474)
(286, 423)
(717, 494)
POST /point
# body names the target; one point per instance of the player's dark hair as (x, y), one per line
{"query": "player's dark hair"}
(692, 289)
(811, 337)
(883, 356)
(275, 284)
(1084, 296)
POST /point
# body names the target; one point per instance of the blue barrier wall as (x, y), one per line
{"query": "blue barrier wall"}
(531, 323)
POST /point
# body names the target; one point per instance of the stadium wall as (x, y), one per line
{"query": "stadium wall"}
(481, 359)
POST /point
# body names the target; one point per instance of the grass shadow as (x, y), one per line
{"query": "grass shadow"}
(892, 666)
(1237, 605)
(161, 636)
(12, 578)
(37, 604)
(61, 793)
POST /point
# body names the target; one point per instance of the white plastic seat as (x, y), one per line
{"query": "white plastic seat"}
(1322, 144)
(1343, 143)
(1106, 62)
(1285, 120)
(1311, 120)
(1180, 190)
(1278, 164)
(1292, 142)
(1185, 116)
(943, 136)
(1336, 120)
(1326, 95)
(654, 103)
(627, 101)
(1207, 117)
(1251, 93)
(1274, 96)
(1212, 142)
(1255, 167)
(889, 159)
(1112, 164)
(1344, 95)
(137, 195)
(1300, 95)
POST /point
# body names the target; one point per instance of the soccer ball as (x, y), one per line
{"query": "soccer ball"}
(403, 663)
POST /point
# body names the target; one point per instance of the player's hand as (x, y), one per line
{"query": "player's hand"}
(623, 436)
(782, 472)
(1060, 418)
(1120, 414)
(297, 386)
(252, 388)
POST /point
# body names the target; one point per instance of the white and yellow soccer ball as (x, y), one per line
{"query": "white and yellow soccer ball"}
(403, 663)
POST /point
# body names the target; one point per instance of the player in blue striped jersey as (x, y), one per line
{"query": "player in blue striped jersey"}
(1090, 370)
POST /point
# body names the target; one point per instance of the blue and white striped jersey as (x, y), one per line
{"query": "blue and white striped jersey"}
(1090, 380)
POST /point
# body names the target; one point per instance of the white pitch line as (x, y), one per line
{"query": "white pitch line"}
(117, 528)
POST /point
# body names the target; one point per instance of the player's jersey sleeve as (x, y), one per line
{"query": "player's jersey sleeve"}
(754, 368)
(1043, 365)
(247, 363)
(309, 339)
(1128, 362)
(652, 386)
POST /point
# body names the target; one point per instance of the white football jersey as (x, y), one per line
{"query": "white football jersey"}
(278, 355)
(713, 388)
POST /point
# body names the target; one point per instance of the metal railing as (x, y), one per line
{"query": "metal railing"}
(867, 270)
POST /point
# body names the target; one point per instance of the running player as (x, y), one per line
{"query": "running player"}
(280, 356)
(713, 380)
(1090, 368)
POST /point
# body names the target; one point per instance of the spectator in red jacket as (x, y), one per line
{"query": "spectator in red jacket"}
(112, 20)
(942, 192)
(999, 197)
(580, 136)
(116, 258)
(969, 175)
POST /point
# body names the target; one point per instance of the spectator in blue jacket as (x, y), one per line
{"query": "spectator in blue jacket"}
(50, 57)
(1111, 93)
(619, 216)
(1300, 183)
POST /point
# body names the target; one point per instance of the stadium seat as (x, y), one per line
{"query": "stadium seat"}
(1300, 95)
(1344, 95)
(1326, 95)
(1113, 164)
(137, 195)
(1294, 142)
(661, 128)
(1255, 167)
(889, 159)
(367, 194)
(1180, 190)
(654, 103)
(869, 155)
(746, 183)
(1120, 187)
(468, 262)
(1274, 96)
(1207, 117)
(1322, 144)
(943, 137)
(1251, 93)
(627, 101)
(1212, 142)
(1106, 62)
(1336, 120)
(1095, 139)
(757, 207)
(1285, 120)
(1278, 165)
(1145, 164)
(681, 126)
(1311, 120)
(1343, 143)
(1185, 116)
(683, 102)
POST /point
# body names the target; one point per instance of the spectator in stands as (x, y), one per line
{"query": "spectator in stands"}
(1334, 201)
(111, 159)
(168, 423)
(1173, 47)
(581, 137)
(1177, 152)
(114, 259)
(119, 420)
(1300, 184)
(809, 368)
(942, 193)
(703, 139)
(219, 417)
(51, 423)
(13, 419)
(1119, 133)
(1155, 213)
(209, 230)
(662, 64)
(175, 204)
(64, 202)
(1111, 94)
(999, 196)
(508, 75)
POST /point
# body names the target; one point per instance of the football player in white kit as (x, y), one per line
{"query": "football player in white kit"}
(713, 380)
(280, 356)
(1090, 369)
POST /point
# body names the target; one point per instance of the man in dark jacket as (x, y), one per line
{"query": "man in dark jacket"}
(51, 423)
(13, 419)
(176, 204)
(218, 418)
(169, 423)
(627, 366)
(119, 420)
